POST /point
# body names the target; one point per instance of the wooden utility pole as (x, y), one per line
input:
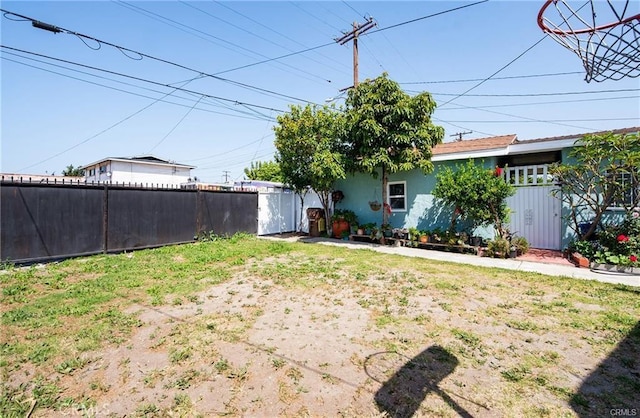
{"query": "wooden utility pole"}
(353, 36)
(459, 135)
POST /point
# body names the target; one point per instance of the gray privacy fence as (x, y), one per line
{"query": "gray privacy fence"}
(40, 222)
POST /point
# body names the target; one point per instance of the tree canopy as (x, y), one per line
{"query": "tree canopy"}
(72, 171)
(475, 193)
(389, 130)
(264, 170)
(603, 173)
(308, 149)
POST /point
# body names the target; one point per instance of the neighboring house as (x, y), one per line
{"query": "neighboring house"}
(535, 214)
(146, 170)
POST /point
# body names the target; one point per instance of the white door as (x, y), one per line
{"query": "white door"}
(276, 212)
(535, 215)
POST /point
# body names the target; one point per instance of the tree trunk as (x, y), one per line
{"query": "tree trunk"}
(302, 196)
(385, 180)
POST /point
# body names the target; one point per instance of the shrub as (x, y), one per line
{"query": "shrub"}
(521, 244)
(498, 247)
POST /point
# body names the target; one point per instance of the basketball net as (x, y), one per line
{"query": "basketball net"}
(605, 35)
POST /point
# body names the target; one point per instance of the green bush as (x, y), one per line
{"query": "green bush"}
(498, 247)
(521, 244)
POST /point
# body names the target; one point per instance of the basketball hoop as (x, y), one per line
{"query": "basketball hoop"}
(609, 50)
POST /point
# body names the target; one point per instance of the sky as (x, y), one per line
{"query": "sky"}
(201, 83)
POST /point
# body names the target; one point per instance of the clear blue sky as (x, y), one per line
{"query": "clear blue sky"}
(56, 113)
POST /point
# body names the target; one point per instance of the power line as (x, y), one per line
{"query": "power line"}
(544, 121)
(235, 47)
(141, 54)
(262, 38)
(499, 70)
(128, 84)
(427, 17)
(331, 43)
(462, 127)
(270, 29)
(540, 103)
(175, 126)
(106, 129)
(567, 93)
(351, 7)
(141, 79)
(493, 78)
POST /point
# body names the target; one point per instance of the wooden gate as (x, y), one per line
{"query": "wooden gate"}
(535, 213)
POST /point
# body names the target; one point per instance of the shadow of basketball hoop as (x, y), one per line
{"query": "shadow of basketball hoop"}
(406, 382)
(613, 388)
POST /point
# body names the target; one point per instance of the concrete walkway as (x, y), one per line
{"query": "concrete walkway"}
(550, 269)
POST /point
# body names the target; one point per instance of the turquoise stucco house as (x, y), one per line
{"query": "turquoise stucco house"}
(535, 213)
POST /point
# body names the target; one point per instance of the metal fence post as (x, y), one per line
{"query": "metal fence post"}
(105, 218)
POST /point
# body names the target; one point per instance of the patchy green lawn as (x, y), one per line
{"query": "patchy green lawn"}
(255, 327)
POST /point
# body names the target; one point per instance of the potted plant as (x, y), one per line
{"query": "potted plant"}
(424, 236)
(387, 231)
(436, 235)
(498, 247)
(375, 205)
(521, 244)
(341, 221)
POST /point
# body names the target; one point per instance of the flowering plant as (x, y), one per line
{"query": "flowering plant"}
(620, 244)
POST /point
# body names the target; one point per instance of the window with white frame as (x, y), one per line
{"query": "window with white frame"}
(92, 172)
(630, 191)
(397, 195)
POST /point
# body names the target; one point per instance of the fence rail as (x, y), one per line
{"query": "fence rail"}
(40, 221)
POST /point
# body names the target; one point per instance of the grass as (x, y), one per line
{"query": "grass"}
(515, 326)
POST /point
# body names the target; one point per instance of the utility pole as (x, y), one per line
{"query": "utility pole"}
(353, 36)
(226, 175)
(459, 135)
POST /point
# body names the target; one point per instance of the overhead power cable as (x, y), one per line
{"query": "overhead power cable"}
(141, 54)
(271, 29)
(238, 113)
(142, 79)
(106, 129)
(492, 79)
(427, 17)
(566, 93)
(369, 33)
(504, 66)
(544, 121)
(175, 126)
(233, 46)
(538, 103)
(262, 38)
(523, 118)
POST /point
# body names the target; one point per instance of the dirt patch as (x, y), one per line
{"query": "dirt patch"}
(338, 334)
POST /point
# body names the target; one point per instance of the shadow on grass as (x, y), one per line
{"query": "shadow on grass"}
(403, 392)
(613, 389)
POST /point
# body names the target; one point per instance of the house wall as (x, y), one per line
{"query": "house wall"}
(132, 172)
(423, 211)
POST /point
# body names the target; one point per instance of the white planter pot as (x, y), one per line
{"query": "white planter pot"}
(615, 269)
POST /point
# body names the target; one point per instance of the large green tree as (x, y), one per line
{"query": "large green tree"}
(308, 150)
(264, 170)
(602, 171)
(476, 194)
(389, 130)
